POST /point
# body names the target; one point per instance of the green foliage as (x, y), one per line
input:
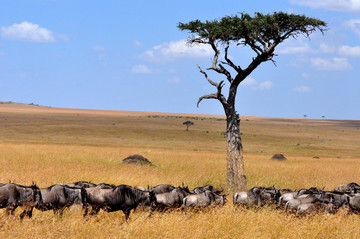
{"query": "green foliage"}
(260, 28)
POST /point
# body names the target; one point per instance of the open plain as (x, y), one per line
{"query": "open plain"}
(52, 145)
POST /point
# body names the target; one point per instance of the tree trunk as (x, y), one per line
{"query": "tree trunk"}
(236, 178)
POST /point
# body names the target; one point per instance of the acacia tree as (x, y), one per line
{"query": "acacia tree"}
(188, 123)
(262, 33)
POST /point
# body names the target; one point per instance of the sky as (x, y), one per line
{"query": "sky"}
(130, 55)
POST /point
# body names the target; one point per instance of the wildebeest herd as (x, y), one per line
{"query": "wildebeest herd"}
(93, 197)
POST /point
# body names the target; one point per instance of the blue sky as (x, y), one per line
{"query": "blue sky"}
(129, 55)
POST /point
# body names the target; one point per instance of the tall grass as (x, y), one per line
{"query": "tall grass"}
(52, 147)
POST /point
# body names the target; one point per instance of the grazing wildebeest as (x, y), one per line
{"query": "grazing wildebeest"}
(204, 199)
(13, 195)
(122, 197)
(354, 203)
(308, 208)
(207, 187)
(349, 188)
(256, 196)
(58, 197)
(269, 195)
(293, 204)
(284, 198)
(162, 188)
(248, 198)
(172, 199)
(338, 199)
(81, 184)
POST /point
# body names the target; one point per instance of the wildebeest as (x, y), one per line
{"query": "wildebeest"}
(354, 203)
(14, 195)
(162, 188)
(81, 184)
(122, 197)
(256, 196)
(284, 198)
(293, 204)
(338, 199)
(349, 188)
(172, 199)
(269, 195)
(58, 197)
(308, 208)
(105, 186)
(204, 199)
(207, 187)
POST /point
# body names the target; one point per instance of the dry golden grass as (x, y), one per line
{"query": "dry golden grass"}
(51, 146)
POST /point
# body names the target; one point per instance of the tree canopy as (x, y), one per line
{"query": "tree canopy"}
(262, 32)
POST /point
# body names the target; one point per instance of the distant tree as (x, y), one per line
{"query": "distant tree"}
(262, 33)
(188, 124)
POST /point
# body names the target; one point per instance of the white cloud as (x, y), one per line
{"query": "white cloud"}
(141, 69)
(353, 51)
(325, 48)
(334, 64)
(27, 31)
(293, 48)
(137, 43)
(265, 85)
(305, 75)
(249, 81)
(174, 79)
(302, 89)
(354, 25)
(334, 5)
(177, 50)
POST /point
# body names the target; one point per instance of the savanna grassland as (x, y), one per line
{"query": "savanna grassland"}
(50, 145)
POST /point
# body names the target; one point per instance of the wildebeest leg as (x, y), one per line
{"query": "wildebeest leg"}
(127, 214)
(86, 211)
(29, 212)
(11, 210)
(94, 210)
(58, 211)
(22, 215)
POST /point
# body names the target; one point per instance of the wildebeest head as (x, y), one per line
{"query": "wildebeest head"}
(216, 199)
(29, 195)
(37, 197)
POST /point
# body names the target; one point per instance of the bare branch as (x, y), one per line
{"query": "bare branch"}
(218, 67)
(219, 96)
(228, 61)
(206, 76)
(210, 96)
(216, 56)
